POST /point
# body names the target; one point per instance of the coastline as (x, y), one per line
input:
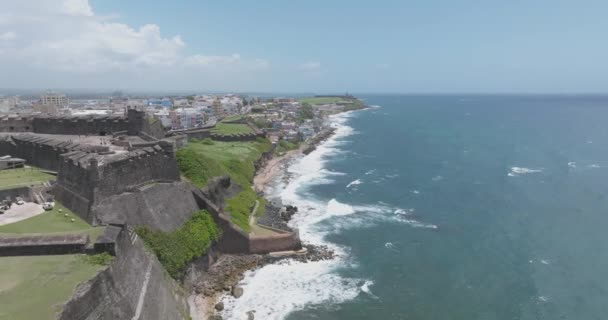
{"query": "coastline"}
(268, 173)
(206, 299)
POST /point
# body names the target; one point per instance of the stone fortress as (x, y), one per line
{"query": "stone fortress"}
(121, 171)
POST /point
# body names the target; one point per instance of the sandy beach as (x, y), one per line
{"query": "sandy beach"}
(273, 167)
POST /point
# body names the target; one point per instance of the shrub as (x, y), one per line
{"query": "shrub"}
(208, 141)
(102, 259)
(177, 248)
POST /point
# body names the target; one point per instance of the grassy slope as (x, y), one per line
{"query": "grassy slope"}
(175, 249)
(200, 161)
(22, 177)
(52, 222)
(231, 128)
(323, 100)
(33, 287)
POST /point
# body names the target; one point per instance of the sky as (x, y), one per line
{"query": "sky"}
(322, 46)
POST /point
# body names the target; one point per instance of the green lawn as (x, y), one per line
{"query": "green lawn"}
(201, 161)
(22, 177)
(52, 222)
(35, 287)
(322, 100)
(231, 128)
(234, 117)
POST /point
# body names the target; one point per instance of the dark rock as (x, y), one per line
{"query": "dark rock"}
(250, 315)
(274, 217)
(219, 306)
(237, 292)
(215, 317)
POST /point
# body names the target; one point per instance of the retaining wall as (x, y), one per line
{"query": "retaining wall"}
(134, 286)
(42, 245)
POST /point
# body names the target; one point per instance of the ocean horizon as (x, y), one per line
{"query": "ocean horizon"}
(447, 207)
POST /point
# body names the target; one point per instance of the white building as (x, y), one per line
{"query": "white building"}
(54, 99)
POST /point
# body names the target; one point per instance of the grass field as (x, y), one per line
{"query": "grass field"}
(34, 287)
(200, 161)
(231, 128)
(52, 222)
(22, 177)
(322, 100)
(234, 117)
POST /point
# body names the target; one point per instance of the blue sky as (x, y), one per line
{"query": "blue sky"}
(321, 46)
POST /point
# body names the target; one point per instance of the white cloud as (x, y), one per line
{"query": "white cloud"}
(7, 36)
(310, 66)
(205, 61)
(77, 7)
(67, 36)
(231, 61)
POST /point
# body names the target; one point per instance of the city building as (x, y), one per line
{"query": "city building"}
(217, 107)
(54, 99)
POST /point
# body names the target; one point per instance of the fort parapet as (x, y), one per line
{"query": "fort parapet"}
(134, 123)
(85, 179)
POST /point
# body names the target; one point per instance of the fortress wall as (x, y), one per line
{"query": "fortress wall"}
(197, 134)
(278, 242)
(126, 171)
(12, 194)
(115, 292)
(235, 240)
(154, 129)
(74, 188)
(16, 123)
(41, 245)
(46, 153)
(92, 125)
(160, 206)
(7, 146)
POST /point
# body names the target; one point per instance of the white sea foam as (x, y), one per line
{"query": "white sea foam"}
(543, 298)
(545, 262)
(515, 171)
(415, 192)
(365, 287)
(274, 291)
(437, 178)
(278, 289)
(335, 208)
(404, 211)
(594, 166)
(370, 172)
(572, 164)
(354, 183)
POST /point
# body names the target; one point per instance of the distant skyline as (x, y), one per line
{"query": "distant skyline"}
(433, 46)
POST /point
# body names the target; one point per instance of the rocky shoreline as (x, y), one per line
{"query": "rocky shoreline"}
(225, 274)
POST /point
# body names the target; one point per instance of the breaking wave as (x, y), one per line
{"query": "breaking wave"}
(276, 290)
(354, 183)
(516, 171)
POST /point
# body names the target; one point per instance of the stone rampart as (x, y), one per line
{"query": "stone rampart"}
(134, 286)
(16, 123)
(234, 239)
(45, 152)
(43, 245)
(159, 206)
(12, 194)
(85, 179)
(97, 125)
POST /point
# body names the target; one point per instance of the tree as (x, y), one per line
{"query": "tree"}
(306, 111)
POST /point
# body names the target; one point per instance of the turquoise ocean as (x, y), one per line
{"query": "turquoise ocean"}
(448, 207)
